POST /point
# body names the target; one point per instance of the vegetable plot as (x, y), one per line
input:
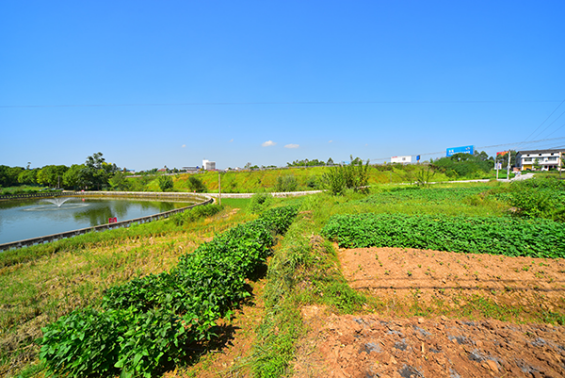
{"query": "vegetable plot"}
(146, 324)
(504, 236)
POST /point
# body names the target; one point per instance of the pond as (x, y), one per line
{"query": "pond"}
(26, 219)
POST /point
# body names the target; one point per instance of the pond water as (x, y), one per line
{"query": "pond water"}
(25, 219)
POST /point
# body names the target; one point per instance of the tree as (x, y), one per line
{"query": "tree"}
(51, 175)
(165, 183)
(463, 165)
(97, 171)
(483, 156)
(536, 164)
(504, 159)
(330, 162)
(195, 184)
(74, 177)
(9, 175)
(28, 176)
(119, 181)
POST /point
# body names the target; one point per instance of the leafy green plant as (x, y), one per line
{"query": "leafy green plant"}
(259, 201)
(354, 175)
(424, 177)
(334, 180)
(506, 236)
(147, 323)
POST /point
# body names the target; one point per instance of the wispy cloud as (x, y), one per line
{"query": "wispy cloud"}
(268, 143)
(231, 140)
(331, 141)
(183, 146)
(291, 145)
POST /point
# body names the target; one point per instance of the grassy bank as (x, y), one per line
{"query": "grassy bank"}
(42, 283)
(248, 181)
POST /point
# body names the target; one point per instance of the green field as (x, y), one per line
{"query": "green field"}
(159, 272)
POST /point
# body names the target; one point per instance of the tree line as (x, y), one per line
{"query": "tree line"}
(95, 173)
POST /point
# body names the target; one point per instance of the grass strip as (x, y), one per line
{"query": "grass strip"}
(304, 271)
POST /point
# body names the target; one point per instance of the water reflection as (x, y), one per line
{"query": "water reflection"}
(24, 219)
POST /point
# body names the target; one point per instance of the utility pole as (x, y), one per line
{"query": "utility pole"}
(508, 169)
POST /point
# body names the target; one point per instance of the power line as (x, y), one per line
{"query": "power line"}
(556, 130)
(541, 124)
(480, 147)
(555, 120)
(275, 103)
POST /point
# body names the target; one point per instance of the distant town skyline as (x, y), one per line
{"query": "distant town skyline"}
(153, 84)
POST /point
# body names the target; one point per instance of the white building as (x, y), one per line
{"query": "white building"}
(208, 165)
(547, 159)
(401, 159)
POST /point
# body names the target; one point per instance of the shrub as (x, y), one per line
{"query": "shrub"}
(286, 183)
(165, 183)
(196, 185)
(259, 201)
(352, 176)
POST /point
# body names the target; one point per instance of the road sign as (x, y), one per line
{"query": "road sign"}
(460, 150)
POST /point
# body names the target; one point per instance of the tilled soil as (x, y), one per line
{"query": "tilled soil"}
(444, 281)
(473, 288)
(374, 346)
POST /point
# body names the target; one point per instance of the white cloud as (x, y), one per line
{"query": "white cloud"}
(183, 146)
(330, 141)
(268, 143)
(231, 140)
(291, 146)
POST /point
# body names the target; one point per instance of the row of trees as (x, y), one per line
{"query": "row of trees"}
(95, 173)
(310, 163)
(465, 165)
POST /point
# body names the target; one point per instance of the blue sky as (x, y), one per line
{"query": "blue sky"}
(154, 83)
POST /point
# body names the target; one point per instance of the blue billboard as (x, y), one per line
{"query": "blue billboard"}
(460, 150)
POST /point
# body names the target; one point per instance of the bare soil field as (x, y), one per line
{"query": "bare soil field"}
(408, 280)
(376, 346)
(411, 336)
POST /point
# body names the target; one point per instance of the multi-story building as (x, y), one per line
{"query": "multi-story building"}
(547, 159)
(208, 165)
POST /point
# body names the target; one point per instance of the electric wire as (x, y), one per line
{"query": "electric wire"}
(541, 124)
(277, 103)
(478, 148)
(555, 120)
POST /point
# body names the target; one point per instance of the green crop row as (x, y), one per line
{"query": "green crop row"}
(434, 195)
(146, 325)
(505, 236)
